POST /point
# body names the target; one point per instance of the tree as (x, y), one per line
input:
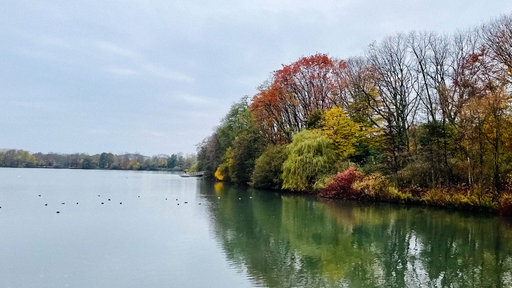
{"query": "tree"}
(353, 141)
(222, 173)
(106, 160)
(88, 162)
(311, 82)
(486, 116)
(360, 87)
(17, 159)
(396, 102)
(343, 132)
(245, 149)
(237, 120)
(296, 92)
(172, 161)
(209, 155)
(310, 159)
(497, 38)
(268, 168)
(212, 150)
(432, 59)
(273, 115)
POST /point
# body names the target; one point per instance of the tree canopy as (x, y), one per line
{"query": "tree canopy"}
(423, 110)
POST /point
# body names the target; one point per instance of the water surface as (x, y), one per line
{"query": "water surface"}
(143, 229)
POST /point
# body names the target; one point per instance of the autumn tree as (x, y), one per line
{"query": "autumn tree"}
(497, 39)
(222, 173)
(310, 159)
(396, 102)
(296, 91)
(427, 109)
(273, 116)
(360, 89)
(431, 56)
(487, 112)
(17, 159)
(311, 81)
(343, 132)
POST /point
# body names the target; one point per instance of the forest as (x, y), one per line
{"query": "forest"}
(419, 118)
(15, 158)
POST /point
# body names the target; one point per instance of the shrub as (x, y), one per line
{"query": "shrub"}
(476, 200)
(416, 173)
(340, 185)
(436, 197)
(268, 168)
(374, 186)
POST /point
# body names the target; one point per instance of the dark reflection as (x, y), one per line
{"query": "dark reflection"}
(296, 241)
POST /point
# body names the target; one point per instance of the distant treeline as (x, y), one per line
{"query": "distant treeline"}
(24, 159)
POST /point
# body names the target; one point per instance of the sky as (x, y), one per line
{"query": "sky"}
(157, 76)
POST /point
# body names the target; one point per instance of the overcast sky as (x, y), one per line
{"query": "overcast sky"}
(157, 76)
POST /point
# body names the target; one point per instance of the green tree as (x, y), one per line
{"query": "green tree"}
(269, 167)
(106, 160)
(172, 161)
(429, 167)
(245, 149)
(88, 162)
(237, 120)
(212, 150)
(310, 159)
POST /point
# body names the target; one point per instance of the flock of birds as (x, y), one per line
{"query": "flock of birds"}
(120, 202)
(104, 202)
(109, 200)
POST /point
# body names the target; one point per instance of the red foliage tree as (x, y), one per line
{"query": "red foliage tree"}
(297, 91)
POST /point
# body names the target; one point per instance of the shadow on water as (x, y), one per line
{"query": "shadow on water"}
(297, 241)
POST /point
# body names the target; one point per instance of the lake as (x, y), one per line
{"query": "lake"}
(93, 228)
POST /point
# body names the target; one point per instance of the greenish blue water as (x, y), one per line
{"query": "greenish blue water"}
(161, 230)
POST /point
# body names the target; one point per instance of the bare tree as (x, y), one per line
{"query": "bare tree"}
(397, 99)
(360, 92)
(497, 39)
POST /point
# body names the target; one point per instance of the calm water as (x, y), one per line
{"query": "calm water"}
(140, 229)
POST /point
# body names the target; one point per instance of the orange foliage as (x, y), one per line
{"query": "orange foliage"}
(310, 84)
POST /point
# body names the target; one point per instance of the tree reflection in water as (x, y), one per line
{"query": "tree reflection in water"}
(297, 241)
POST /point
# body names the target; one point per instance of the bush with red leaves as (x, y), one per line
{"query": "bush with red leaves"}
(340, 185)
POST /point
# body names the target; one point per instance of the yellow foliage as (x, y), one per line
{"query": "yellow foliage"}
(218, 174)
(342, 131)
(222, 173)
